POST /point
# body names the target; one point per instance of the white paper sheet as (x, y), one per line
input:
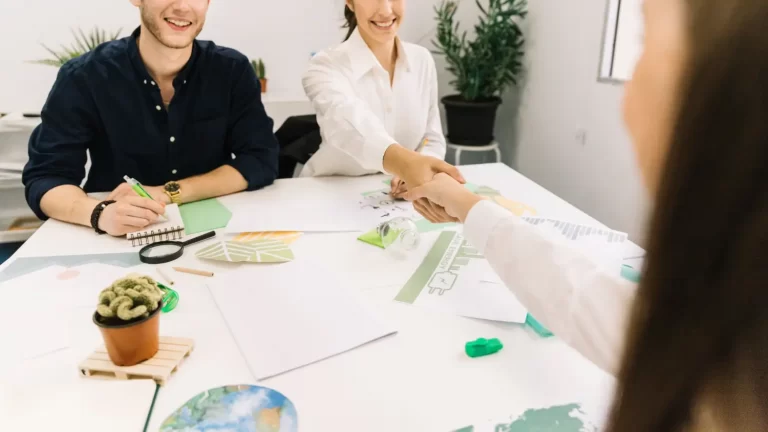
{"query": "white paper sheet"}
(293, 315)
(603, 245)
(300, 214)
(490, 300)
(51, 298)
(80, 404)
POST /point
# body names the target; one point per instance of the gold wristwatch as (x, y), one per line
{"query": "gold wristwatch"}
(173, 190)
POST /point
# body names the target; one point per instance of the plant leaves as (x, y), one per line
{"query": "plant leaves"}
(82, 44)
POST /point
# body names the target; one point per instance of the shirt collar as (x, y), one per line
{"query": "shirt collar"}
(362, 59)
(138, 64)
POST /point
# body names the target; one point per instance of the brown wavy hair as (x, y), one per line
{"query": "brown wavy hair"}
(697, 350)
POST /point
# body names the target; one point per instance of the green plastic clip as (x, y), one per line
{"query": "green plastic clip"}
(170, 300)
(482, 347)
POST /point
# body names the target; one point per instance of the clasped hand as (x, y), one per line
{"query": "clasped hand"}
(419, 172)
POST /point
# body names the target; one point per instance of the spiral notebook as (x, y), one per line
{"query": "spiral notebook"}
(172, 229)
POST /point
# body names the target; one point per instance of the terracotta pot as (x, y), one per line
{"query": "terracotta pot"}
(263, 82)
(132, 343)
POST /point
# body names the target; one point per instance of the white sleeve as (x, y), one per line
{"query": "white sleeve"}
(434, 132)
(562, 288)
(345, 120)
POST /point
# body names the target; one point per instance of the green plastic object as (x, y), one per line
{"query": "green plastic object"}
(170, 299)
(483, 347)
(540, 330)
(629, 273)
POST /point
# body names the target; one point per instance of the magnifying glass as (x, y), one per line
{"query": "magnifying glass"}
(167, 251)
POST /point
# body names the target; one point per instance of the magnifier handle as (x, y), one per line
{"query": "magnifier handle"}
(199, 238)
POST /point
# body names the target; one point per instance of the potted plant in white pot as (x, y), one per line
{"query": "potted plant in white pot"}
(483, 68)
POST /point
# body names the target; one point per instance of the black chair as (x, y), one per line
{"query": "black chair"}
(299, 139)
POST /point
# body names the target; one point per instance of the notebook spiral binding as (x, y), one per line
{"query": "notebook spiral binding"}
(150, 237)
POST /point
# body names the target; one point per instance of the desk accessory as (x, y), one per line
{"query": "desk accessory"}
(167, 251)
(194, 271)
(140, 191)
(483, 347)
(170, 299)
(171, 229)
(128, 316)
(160, 367)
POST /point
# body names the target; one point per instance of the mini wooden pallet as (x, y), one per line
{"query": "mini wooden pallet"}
(172, 353)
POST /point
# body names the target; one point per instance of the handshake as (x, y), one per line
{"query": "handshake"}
(434, 186)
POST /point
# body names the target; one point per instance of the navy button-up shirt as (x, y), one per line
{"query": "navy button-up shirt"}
(106, 103)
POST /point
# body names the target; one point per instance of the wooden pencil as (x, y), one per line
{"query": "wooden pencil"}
(194, 271)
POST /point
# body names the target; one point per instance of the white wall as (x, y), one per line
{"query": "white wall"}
(571, 138)
(258, 28)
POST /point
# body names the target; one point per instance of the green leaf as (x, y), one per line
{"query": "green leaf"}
(258, 251)
(82, 44)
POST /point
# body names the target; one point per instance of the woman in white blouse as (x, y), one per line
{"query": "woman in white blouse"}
(690, 346)
(376, 98)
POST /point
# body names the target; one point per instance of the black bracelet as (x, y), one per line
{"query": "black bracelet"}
(96, 215)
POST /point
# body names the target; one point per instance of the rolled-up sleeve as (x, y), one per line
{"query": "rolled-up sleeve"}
(346, 121)
(58, 146)
(251, 135)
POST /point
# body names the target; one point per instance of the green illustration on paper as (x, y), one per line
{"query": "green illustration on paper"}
(563, 418)
(438, 272)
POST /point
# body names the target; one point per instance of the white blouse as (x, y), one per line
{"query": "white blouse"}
(360, 114)
(562, 288)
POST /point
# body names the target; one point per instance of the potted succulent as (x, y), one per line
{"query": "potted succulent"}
(483, 68)
(83, 44)
(261, 73)
(128, 316)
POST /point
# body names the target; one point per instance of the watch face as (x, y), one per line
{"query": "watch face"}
(172, 187)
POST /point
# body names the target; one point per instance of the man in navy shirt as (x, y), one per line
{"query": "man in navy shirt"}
(183, 117)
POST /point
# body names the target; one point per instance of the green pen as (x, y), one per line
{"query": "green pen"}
(136, 186)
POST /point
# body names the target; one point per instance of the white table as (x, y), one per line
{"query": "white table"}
(416, 380)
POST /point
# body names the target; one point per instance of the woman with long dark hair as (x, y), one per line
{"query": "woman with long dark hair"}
(376, 101)
(690, 345)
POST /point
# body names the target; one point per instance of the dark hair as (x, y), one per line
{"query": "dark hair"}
(698, 338)
(351, 24)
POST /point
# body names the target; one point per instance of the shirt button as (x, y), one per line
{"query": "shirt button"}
(153, 83)
(173, 172)
(173, 139)
(145, 81)
(185, 81)
(158, 108)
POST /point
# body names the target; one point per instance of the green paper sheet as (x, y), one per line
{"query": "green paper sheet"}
(372, 237)
(203, 216)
